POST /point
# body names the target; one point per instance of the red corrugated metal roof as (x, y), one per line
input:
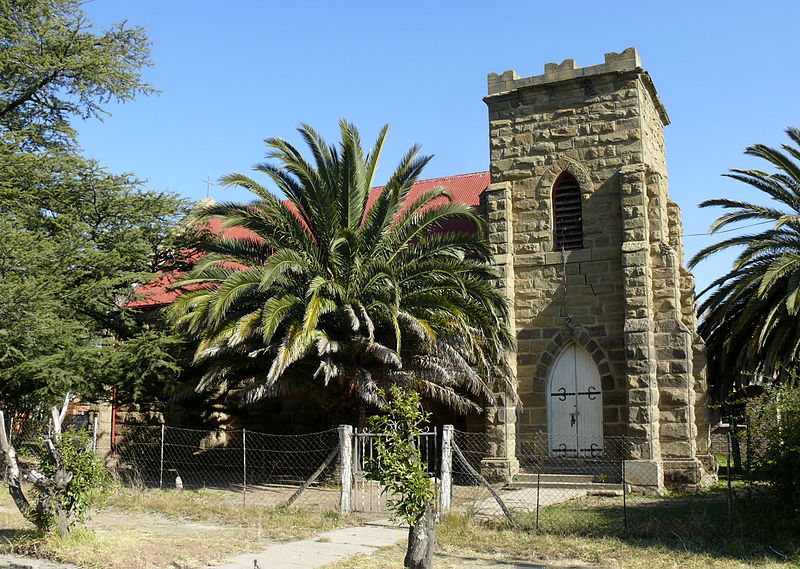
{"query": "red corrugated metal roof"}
(465, 188)
(159, 292)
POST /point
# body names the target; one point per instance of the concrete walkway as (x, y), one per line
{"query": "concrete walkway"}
(17, 562)
(322, 549)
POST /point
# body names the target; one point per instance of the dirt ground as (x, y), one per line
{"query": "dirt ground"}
(140, 538)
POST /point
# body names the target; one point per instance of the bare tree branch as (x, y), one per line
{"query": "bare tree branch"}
(58, 418)
(12, 474)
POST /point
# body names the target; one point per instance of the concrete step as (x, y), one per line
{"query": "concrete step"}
(528, 477)
(591, 487)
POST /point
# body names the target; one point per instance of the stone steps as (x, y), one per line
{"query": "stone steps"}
(591, 487)
(526, 480)
(529, 477)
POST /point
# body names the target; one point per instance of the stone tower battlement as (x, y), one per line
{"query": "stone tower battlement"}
(615, 63)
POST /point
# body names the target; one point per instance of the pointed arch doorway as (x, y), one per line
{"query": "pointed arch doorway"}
(574, 406)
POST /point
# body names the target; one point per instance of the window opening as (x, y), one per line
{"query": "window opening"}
(567, 216)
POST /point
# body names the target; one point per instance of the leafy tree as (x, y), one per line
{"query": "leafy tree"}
(775, 450)
(398, 464)
(750, 314)
(54, 67)
(146, 364)
(346, 288)
(76, 237)
(398, 467)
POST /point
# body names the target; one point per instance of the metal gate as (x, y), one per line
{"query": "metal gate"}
(369, 495)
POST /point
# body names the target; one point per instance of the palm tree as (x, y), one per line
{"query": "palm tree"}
(750, 315)
(345, 289)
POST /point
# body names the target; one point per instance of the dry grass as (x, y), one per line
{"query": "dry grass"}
(222, 507)
(678, 532)
(464, 543)
(138, 529)
(466, 536)
(385, 558)
(120, 548)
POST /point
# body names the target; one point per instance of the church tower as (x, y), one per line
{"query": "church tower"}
(591, 253)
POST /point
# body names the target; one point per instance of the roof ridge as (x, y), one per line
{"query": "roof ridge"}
(452, 177)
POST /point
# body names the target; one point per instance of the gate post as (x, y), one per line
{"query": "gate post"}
(447, 469)
(345, 465)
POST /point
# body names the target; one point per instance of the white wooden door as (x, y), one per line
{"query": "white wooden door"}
(575, 406)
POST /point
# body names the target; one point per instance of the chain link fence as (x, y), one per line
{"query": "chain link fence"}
(259, 469)
(740, 455)
(601, 491)
(555, 489)
(598, 489)
(26, 433)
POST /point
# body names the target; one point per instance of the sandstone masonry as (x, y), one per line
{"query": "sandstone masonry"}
(625, 297)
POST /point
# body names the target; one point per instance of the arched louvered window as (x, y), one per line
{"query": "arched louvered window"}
(567, 217)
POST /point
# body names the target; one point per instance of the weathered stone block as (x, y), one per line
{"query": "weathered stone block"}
(645, 475)
(671, 396)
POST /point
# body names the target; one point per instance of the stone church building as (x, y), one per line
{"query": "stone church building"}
(591, 251)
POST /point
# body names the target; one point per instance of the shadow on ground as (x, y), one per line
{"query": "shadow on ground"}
(751, 527)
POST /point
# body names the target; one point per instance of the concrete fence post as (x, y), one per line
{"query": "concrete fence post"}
(447, 469)
(94, 433)
(161, 462)
(345, 465)
(244, 467)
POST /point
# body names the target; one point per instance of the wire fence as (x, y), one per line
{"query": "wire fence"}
(556, 486)
(256, 468)
(26, 431)
(604, 489)
(741, 456)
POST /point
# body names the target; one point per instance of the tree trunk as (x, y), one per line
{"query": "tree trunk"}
(736, 449)
(62, 523)
(13, 475)
(51, 491)
(421, 541)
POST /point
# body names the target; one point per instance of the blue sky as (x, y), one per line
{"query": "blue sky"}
(234, 73)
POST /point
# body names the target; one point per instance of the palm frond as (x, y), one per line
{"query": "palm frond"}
(748, 315)
(324, 293)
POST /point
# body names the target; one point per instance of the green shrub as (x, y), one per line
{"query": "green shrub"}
(89, 477)
(775, 442)
(398, 465)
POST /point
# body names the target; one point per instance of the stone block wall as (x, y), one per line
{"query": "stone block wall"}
(500, 421)
(625, 296)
